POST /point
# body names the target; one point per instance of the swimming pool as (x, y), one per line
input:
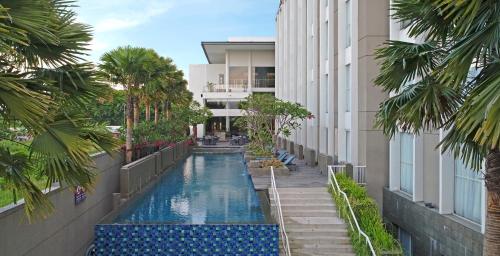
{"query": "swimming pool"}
(203, 189)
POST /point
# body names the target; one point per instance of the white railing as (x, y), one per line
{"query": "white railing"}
(360, 174)
(278, 212)
(215, 88)
(353, 222)
(263, 83)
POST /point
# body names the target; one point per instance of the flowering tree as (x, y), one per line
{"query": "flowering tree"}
(266, 118)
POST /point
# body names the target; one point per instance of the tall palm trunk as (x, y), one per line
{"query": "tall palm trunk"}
(128, 136)
(148, 110)
(157, 112)
(491, 244)
(136, 111)
(168, 112)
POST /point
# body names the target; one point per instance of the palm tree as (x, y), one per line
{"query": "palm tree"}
(127, 66)
(45, 85)
(154, 90)
(459, 36)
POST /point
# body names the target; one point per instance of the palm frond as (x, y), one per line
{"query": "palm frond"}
(403, 62)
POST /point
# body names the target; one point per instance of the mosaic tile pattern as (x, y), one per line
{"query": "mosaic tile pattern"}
(165, 239)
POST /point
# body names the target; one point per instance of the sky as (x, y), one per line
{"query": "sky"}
(174, 28)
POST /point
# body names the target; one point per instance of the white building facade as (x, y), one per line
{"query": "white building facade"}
(236, 68)
(324, 56)
(436, 203)
(325, 61)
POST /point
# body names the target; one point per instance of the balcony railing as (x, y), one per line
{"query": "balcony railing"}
(263, 83)
(238, 85)
(215, 88)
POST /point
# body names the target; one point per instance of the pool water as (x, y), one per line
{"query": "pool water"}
(203, 189)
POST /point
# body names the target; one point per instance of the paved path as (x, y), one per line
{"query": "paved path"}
(304, 177)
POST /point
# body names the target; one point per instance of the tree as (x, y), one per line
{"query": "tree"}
(451, 81)
(45, 86)
(266, 118)
(127, 66)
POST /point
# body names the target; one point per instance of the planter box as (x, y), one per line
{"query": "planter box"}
(254, 163)
(257, 171)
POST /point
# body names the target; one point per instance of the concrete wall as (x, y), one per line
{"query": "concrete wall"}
(137, 175)
(70, 229)
(432, 233)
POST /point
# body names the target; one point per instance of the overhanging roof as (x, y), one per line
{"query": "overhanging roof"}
(216, 51)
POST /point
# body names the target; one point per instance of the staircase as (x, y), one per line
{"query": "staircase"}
(312, 224)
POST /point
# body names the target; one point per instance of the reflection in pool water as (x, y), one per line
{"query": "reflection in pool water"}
(205, 188)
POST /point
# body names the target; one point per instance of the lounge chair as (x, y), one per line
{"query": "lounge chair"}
(282, 156)
(289, 160)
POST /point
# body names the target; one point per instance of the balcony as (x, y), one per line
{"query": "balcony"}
(238, 85)
(263, 83)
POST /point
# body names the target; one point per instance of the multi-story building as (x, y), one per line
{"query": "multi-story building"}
(325, 61)
(236, 68)
(436, 203)
(324, 56)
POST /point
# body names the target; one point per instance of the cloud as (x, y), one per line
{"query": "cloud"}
(125, 15)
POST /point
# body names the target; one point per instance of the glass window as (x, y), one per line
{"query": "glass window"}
(238, 77)
(215, 104)
(233, 104)
(348, 23)
(406, 162)
(326, 93)
(468, 188)
(348, 146)
(405, 239)
(263, 77)
(348, 95)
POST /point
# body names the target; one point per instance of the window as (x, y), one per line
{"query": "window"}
(238, 77)
(215, 104)
(263, 77)
(468, 188)
(405, 239)
(347, 23)
(348, 146)
(348, 88)
(233, 104)
(406, 162)
(327, 94)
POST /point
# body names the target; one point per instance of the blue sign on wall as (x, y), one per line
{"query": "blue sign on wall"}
(179, 239)
(80, 195)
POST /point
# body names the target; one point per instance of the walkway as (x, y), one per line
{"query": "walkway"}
(310, 216)
(304, 177)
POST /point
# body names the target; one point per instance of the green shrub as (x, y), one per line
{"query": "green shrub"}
(369, 219)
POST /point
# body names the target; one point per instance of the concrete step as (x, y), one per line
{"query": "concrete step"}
(304, 201)
(302, 190)
(309, 213)
(332, 247)
(304, 196)
(319, 252)
(315, 227)
(317, 232)
(315, 239)
(312, 220)
(299, 207)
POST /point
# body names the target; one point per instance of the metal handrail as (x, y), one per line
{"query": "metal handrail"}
(337, 190)
(277, 204)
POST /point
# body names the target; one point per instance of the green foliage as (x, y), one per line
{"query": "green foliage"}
(266, 118)
(174, 130)
(110, 109)
(368, 216)
(432, 83)
(45, 88)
